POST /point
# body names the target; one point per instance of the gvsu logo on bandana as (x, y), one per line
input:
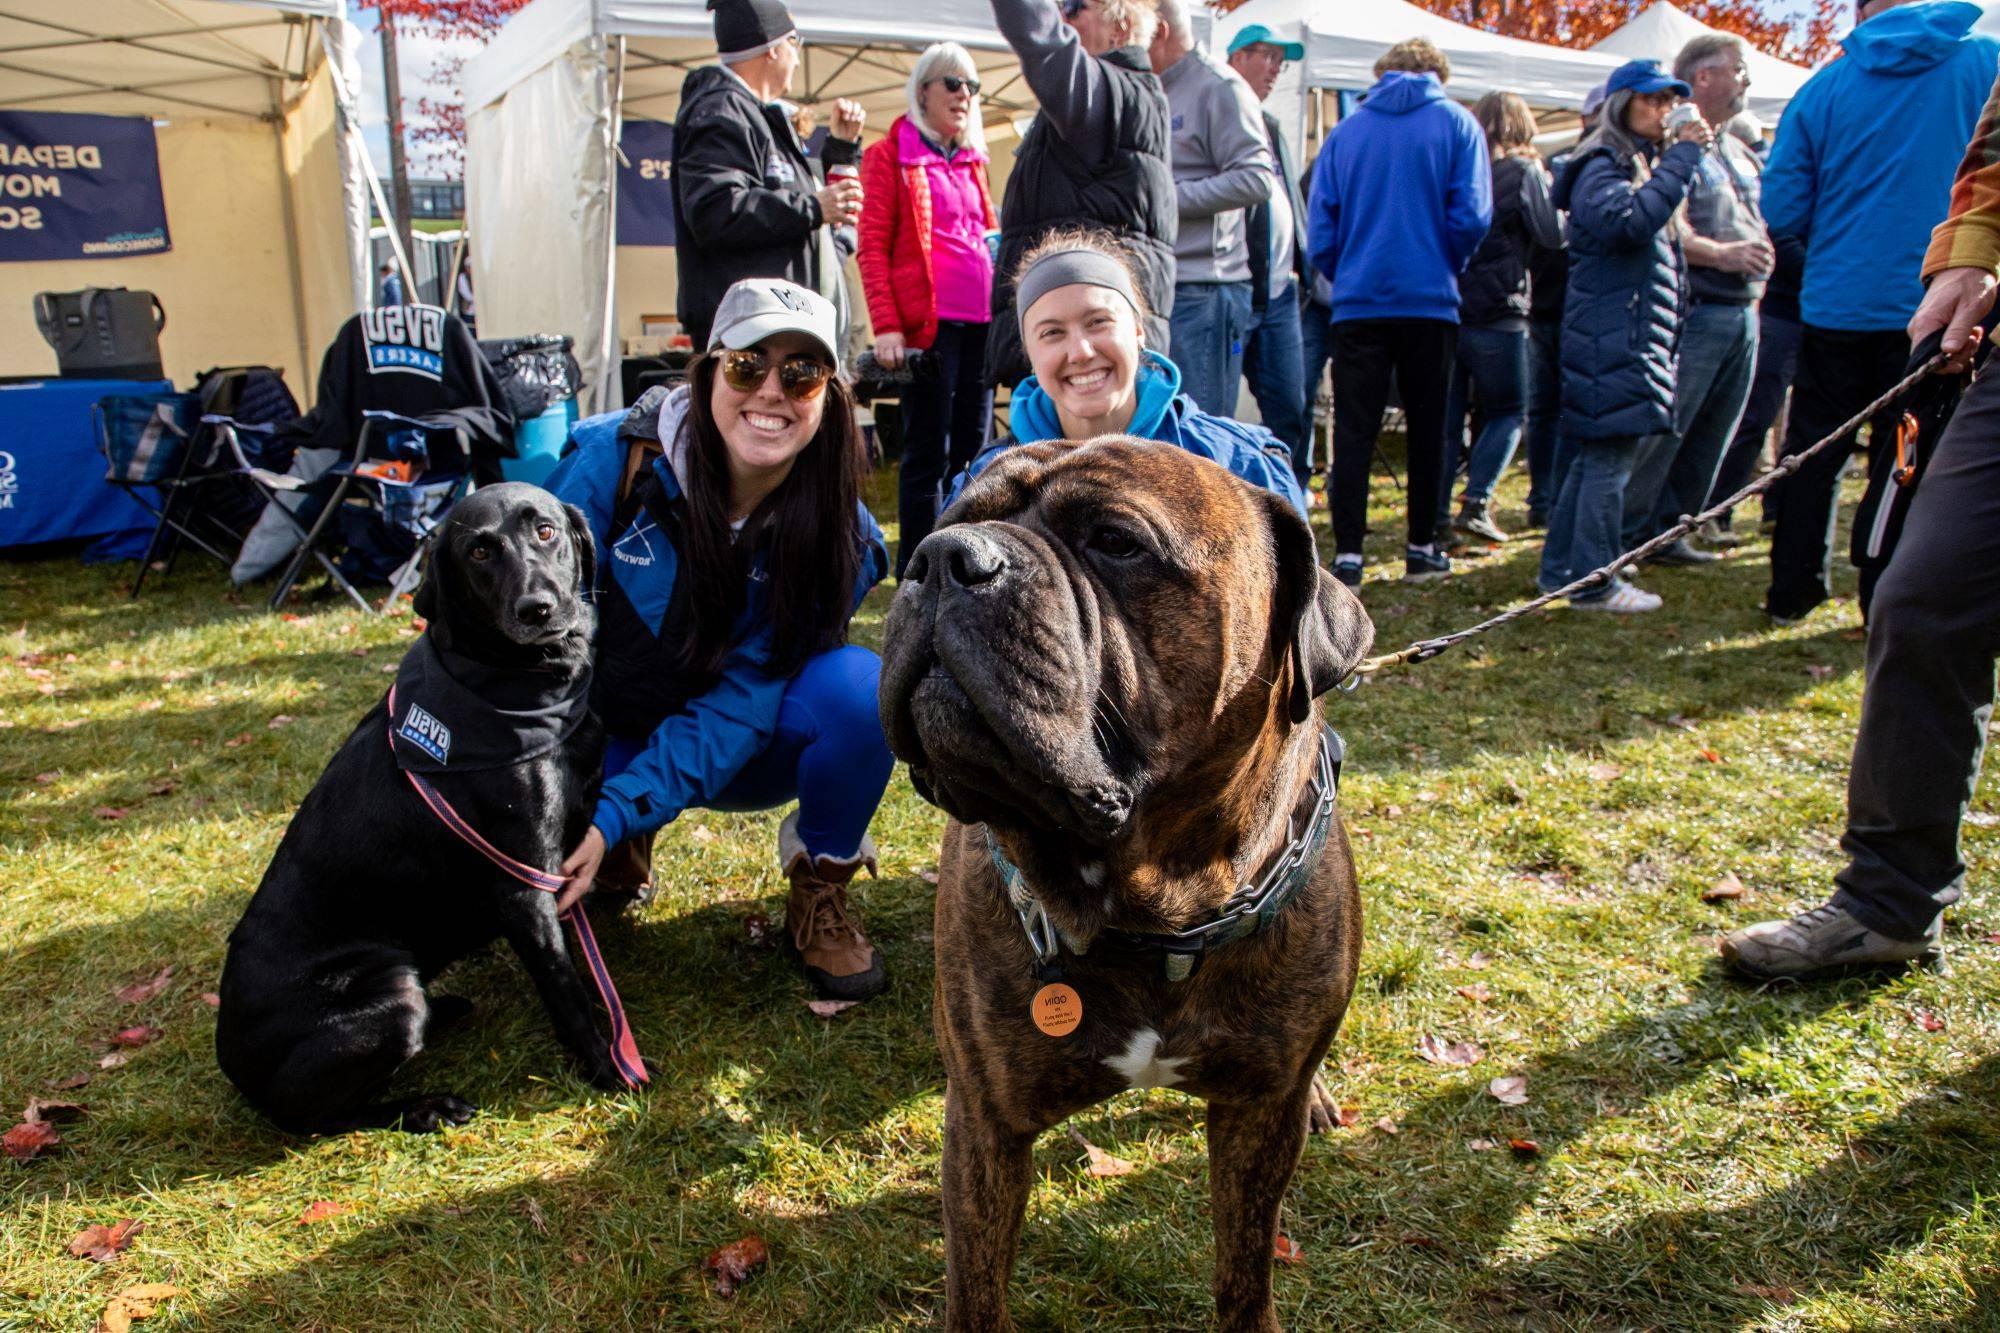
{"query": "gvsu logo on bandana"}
(10, 481)
(427, 734)
(406, 338)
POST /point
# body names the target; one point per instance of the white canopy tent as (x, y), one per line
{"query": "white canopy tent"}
(1661, 30)
(1344, 38)
(544, 105)
(261, 165)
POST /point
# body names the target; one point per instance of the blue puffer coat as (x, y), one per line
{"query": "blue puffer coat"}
(1621, 326)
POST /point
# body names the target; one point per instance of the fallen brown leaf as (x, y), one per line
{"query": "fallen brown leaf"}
(1478, 961)
(1724, 889)
(137, 1302)
(701, 833)
(141, 991)
(928, 875)
(1780, 1295)
(1927, 1020)
(111, 812)
(1525, 1147)
(1347, 1117)
(1482, 1145)
(1479, 993)
(535, 1218)
(1604, 772)
(319, 1210)
(101, 1244)
(281, 720)
(828, 1008)
(114, 1060)
(1819, 670)
(243, 738)
(1102, 1163)
(28, 1139)
(1709, 756)
(46, 778)
(731, 1265)
(1388, 1125)
(211, 999)
(164, 787)
(1457, 1054)
(69, 1084)
(1509, 1090)
(53, 1112)
(1287, 1251)
(135, 1036)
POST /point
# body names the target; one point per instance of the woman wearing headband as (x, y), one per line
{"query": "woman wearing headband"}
(733, 549)
(1082, 324)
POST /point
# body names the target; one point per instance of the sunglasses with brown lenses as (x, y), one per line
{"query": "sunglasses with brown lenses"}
(802, 378)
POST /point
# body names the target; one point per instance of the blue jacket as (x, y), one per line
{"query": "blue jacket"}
(1164, 414)
(1401, 196)
(1621, 326)
(695, 753)
(1862, 167)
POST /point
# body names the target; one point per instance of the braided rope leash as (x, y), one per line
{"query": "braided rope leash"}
(1423, 650)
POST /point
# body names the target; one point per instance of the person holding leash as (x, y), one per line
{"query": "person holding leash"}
(1933, 635)
(1083, 320)
(737, 548)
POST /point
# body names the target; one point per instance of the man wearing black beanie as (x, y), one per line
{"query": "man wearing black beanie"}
(746, 204)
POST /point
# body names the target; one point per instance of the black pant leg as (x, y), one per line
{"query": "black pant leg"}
(1839, 373)
(926, 420)
(1426, 350)
(1932, 641)
(1361, 362)
(971, 401)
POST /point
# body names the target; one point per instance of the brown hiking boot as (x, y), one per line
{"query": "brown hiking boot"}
(838, 959)
(624, 877)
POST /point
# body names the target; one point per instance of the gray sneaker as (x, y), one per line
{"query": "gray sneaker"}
(1824, 941)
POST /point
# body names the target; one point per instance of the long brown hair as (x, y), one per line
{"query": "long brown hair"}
(809, 524)
(1509, 125)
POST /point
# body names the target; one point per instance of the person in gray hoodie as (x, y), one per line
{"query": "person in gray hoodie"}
(1222, 166)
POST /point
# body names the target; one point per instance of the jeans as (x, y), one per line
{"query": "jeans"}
(1315, 350)
(1587, 523)
(1418, 352)
(944, 425)
(1712, 379)
(1840, 372)
(827, 753)
(1933, 635)
(1211, 324)
(1778, 341)
(1493, 364)
(1543, 424)
(1274, 363)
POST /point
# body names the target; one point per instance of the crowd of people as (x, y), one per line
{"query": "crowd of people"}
(1632, 310)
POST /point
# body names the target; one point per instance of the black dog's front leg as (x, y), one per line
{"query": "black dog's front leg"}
(528, 918)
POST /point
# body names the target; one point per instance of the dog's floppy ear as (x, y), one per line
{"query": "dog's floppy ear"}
(431, 601)
(1315, 620)
(583, 545)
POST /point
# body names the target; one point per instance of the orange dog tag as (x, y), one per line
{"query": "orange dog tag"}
(1056, 1010)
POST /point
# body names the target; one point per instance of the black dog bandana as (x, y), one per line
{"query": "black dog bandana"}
(455, 715)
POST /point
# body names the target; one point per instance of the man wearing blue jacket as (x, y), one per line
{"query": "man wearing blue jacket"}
(1401, 197)
(1861, 172)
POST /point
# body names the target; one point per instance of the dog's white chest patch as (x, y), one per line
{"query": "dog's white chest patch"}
(1140, 1064)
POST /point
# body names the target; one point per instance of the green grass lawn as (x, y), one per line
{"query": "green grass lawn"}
(1536, 818)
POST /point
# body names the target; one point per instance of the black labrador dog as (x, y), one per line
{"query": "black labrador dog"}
(370, 895)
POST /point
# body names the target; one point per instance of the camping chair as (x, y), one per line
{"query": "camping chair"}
(158, 453)
(394, 475)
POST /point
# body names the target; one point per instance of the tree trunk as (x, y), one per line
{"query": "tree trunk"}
(399, 167)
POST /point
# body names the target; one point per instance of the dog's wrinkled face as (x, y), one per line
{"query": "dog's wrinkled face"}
(1094, 624)
(509, 568)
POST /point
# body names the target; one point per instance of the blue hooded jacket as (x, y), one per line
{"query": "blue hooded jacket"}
(1862, 167)
(1401, 196)
(696, 752)
(1164, 414)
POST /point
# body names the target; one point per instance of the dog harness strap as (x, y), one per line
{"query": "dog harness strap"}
(1248, 910)
(624, 1050)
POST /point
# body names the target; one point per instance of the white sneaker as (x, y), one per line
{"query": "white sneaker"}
(1624, 600)
(1824, 941)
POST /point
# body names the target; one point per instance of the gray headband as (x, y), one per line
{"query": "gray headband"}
(1068, 268)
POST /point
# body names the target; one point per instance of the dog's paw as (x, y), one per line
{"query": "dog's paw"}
(1321, 1109)
(431, 1112)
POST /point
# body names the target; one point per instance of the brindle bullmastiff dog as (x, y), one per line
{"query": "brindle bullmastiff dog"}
(1104, 666)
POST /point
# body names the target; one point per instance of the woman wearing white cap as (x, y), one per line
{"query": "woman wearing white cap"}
(735, 550)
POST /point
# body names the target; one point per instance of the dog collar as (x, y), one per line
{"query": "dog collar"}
(1253, 906)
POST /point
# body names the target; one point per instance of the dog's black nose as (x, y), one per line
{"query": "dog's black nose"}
(535, 610)
(966, 556)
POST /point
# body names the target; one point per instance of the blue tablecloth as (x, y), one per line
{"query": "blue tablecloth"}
(52, 485)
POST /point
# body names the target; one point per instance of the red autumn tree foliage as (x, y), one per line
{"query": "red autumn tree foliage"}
(1805, 35)
(440, 125)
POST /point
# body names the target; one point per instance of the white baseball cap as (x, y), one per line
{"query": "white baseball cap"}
(755, 308)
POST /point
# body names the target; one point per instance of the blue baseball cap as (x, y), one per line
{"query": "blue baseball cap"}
(1252, 33)
(1643, 76)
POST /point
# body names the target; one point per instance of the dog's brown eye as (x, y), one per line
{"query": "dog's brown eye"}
(1114, 542)
(480, 553)
(546, 531)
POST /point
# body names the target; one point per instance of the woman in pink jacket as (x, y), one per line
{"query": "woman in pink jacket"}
(928, 276)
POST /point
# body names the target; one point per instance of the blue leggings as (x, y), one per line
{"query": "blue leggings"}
(828, 754)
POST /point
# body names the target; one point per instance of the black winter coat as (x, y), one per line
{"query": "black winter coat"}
(745, 201)
(1494, 289)
(1621, 324)
(1097, 155)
